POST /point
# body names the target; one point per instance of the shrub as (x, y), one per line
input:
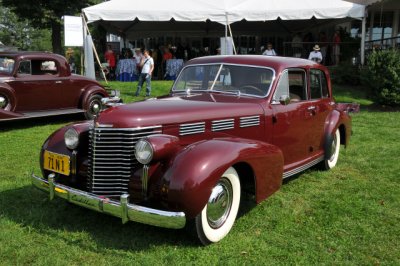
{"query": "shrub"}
(382, 74)
(345, 73)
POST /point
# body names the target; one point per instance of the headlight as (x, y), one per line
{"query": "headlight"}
(71, 138)
(143, 151)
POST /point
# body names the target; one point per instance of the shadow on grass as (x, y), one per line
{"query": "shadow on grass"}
(31, 208)
(40, 121)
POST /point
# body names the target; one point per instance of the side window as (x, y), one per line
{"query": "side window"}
(44, 67)
(318, 84)
(292, 83)
(282, 87)
(25, 68)
(297, 85)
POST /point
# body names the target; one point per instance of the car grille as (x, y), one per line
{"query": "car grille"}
(112, 158)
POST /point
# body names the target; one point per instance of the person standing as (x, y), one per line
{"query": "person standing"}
(336, 47)
(147, 65)
(110, 58)
(269, 51)
(316, 55)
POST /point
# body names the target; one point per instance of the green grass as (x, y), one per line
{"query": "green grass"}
(349, 215)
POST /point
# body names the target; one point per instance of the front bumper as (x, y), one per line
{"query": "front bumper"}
(122, 209)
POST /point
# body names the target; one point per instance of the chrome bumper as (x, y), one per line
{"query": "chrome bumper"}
(122, 209)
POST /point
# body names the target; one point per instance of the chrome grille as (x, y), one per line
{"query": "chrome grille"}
(218, 125)
(194, 128)
(112, 158)
(250, 121)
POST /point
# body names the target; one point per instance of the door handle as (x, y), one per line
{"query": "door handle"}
(311, 108)
(58, 82)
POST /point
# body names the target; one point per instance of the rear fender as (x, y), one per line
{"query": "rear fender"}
(197, 168)
(337, 120)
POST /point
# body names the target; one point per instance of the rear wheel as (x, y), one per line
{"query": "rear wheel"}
(333, 149)
(93, 107)
(218, 216)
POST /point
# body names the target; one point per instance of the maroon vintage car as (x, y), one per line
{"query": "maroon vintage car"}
(230, 124)
(34, 84)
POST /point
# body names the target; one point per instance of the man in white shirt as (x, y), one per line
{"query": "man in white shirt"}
(147, 65)
(269, 51)
(315, 55)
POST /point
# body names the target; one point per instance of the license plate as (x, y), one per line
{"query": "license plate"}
(56, 162)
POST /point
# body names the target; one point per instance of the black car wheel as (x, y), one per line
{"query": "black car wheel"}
(94, 106)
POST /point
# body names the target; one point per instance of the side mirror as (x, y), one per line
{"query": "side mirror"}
(284, 99)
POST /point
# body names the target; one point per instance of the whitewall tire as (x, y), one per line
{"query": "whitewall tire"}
(333, 148)
(218, 216)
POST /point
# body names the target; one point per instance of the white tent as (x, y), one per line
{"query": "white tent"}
(133, 19)
(152, 18)
(220, 11)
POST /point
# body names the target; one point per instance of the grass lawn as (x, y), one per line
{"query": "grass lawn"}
(350, 215)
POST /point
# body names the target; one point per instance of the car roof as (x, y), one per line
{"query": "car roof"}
(275, 62)
(21, 54)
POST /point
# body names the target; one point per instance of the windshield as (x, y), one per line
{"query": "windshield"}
(238, 79)
(6, 64)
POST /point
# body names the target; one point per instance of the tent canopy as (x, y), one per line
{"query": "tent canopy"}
(145, 19)
(235, 10)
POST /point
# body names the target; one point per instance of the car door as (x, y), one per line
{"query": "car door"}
(321, 106)
(293, 120)
(36, 86)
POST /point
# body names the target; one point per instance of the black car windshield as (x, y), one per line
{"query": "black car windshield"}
(6, 64)
(238, 79)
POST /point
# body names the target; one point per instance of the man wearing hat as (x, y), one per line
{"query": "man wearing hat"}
(315, 55)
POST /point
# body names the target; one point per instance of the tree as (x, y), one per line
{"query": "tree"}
(47, 14)
(15, 32)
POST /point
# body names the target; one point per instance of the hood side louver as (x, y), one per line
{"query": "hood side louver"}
(219, 125)
(250, 121)
(193, 128)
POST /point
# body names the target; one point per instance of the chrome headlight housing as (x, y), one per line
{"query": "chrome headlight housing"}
(144, 151)
(71, 138)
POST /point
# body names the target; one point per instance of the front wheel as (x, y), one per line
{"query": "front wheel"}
(333, 149)
(218, 216)
(94, 106)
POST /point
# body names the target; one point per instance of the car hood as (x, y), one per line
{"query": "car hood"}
(176, 110)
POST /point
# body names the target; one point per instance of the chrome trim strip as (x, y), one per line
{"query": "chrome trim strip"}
(145, 177)
(302, 168)
(121, 209)
(99, 126)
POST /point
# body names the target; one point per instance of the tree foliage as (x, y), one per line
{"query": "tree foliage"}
(47, 14)
(15, 32)
(383, 76)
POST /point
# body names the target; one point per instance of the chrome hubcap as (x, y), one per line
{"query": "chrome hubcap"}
(3, 102)
(219, 204)
(96, 108)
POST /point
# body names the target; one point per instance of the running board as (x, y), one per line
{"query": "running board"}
(51, 113)
(302, 168)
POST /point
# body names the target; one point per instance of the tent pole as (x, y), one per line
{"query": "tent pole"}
(94, 50)
(226, 33)
(233, 42)
(363, 32)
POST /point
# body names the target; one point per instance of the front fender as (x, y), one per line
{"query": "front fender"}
(92, 90)
(197, 168)
(55, 143)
